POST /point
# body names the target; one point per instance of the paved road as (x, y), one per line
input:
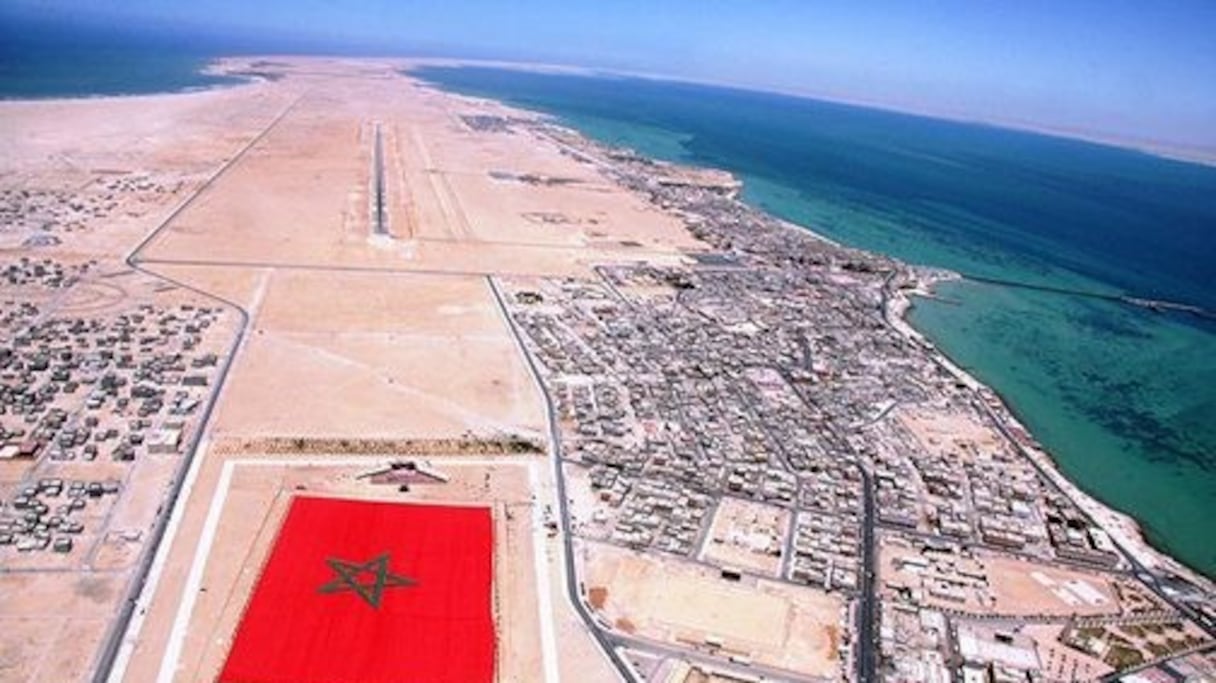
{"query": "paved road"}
(118, 630)
(379, 217)
(716, 662)
(866, 652)
(555, 452)
(867, 604)
(1154, 583)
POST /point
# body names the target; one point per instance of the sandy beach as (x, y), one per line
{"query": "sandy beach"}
(256, 200)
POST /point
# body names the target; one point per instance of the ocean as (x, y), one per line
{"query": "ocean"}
(39, 61)
(1123, 397)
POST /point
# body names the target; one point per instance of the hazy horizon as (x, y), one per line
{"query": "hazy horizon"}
(1109, 72)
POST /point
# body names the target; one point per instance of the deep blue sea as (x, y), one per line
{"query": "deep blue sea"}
(44, 61)
(1124, 398)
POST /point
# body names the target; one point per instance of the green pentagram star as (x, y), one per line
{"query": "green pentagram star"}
(348, 579)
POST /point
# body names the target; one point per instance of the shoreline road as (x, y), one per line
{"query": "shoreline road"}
(1151, 580)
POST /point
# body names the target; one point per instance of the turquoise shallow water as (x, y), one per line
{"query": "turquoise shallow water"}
(1121, 398)
(1124, 398)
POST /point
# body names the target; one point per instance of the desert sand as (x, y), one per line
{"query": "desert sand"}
(359, 335)
(669, 600)
(256, 198)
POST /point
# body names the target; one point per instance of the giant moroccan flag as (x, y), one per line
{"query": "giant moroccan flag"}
(370, 592)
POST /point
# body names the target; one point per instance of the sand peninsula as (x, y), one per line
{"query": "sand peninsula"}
(690, 421)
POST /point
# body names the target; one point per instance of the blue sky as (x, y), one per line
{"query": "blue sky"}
(1142, 72)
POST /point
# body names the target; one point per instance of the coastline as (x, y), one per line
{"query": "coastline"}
(1123, 529)
(1185, 155)
(203, 68)
(442, 349)
(151, 97)
(1121, 526)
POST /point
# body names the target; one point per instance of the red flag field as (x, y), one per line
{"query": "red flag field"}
(371, 592)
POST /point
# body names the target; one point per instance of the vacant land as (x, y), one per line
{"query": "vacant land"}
(254, 200)
(675, 601)
(373, 337)
(987, 582)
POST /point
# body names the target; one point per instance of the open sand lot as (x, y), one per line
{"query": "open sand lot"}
(259, 196)
(995, 584)
(377, 355)
(52, 627)
(957, 435)
(1034, 589)
(299, 196)
(123, 162)
(90, 178)
(674, 601)
(374, 335)
(354, 334)
(744, 535)
(359, 335)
